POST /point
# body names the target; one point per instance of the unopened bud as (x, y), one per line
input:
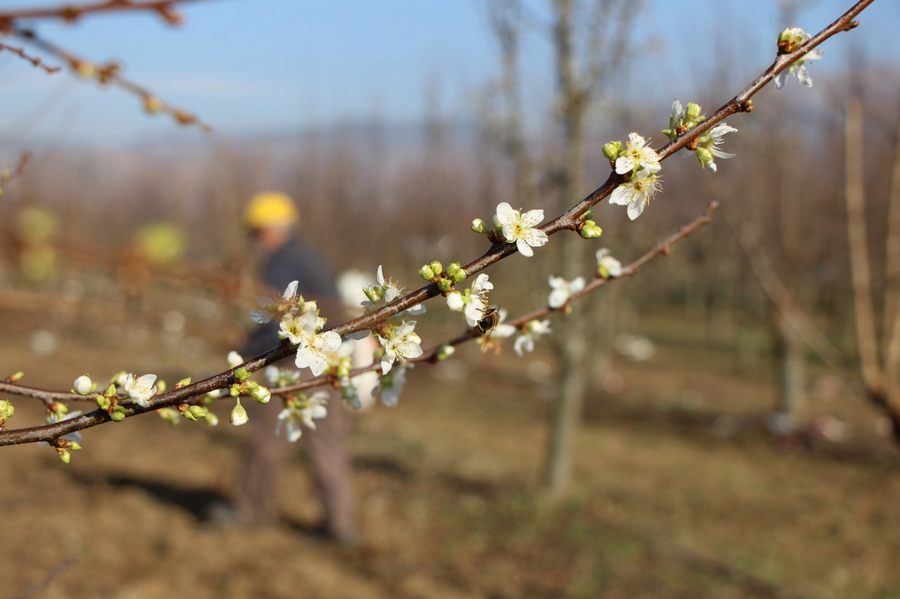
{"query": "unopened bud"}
(612, 149)
(239, 414)
(261, 394)
(445, 284)
(478, 226)
(426, 273)
(445, 351)
(437, 268)
(241, 374)
(83, 385)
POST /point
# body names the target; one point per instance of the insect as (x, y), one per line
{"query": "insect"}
(489, 321)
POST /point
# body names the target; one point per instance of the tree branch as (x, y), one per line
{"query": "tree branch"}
(566, 221)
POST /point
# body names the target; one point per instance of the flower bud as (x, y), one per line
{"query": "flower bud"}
(183, 382)
(454, 268)
(445, 351)
(16, 377)
(170, 415)
(197, 411)
(590, 230)
(239, 414)
(118, 414)
(211, 419)
(445, 285)
(437, 268)
(455, 301)
(83, 385)
(704, 155)
(241, 374)
(426, 273)
(478, 226)
(692, 111)
(6, 410)
(460, 276)
(234, 359)
(64, 455)
(261, 394)
(152, 104)
(612, 149)
(103, 402)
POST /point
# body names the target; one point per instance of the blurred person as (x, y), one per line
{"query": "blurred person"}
(271, 219)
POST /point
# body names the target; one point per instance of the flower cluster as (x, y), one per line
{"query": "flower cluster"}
(472, 302)
(789, 41)
(384, 292)
(640, 164)
(706, 146)
(531, 330)
(302, 326)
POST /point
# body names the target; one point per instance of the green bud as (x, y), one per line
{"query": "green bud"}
(692, 111)
(197, 411)
(64, 455)
(612, 149)
(478, 226)
(160, 386)
(118, 414)
(437, 268)
(588, 214)
(453, 269)
(445, 284)
(183, 382)
(170, 415)
(704, 155)
(15, 377)
(445, 351)
(261, 394)
(110, 391)
(102, 402)
(6, 410)
(241, 374)
(372, 293)
(590, 230)
(235, 390)
(74, 445)
(211, 419)
(460, 276)
(426, 273)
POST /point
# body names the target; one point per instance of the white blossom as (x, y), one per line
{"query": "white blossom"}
(712, 143)
(607, 265)
(290, 300)
(636, 192)
(83, 385)
(503, 330)
(384, 292)
(401, 342)
(234, 359)
(140, 389)
(638, 156)
(302, 412)
(390, 386)
(797, 37)
(562, 290)
(313, 345)
(531, 331)
(520, 228)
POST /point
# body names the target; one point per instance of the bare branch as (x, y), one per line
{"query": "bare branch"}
(110, 73)
(36, 61)
(72, 12)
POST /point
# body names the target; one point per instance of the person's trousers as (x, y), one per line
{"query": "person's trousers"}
(329, 455)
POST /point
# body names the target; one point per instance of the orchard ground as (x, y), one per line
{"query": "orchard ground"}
(679, 491)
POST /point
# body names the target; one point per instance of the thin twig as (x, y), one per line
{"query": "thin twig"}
(566, 221)
(36, 61)
(72, 12)
(110, 73)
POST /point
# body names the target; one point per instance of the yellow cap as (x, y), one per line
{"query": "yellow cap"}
(270, 209)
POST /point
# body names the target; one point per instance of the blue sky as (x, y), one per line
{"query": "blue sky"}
(281, 65)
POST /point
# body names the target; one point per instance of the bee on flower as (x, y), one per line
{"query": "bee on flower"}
(473, 302)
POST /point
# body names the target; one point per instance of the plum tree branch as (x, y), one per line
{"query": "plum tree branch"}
(567, 221)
